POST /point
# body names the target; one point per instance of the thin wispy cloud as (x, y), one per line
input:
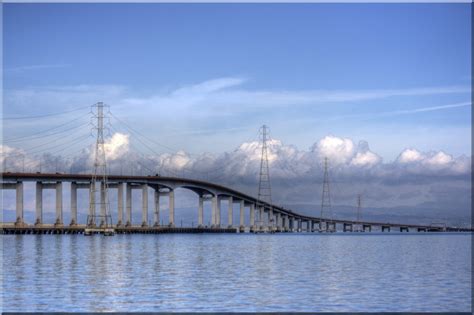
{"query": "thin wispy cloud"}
(425, 109)
(35, 67)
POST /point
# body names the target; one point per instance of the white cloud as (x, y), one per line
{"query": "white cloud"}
(410, 156)
(116, 146)
(439, 159)
(337, 150)
(365, 159)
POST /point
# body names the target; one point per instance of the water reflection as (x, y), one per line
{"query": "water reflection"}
(429, 272)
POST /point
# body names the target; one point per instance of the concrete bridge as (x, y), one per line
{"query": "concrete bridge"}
(264, 217)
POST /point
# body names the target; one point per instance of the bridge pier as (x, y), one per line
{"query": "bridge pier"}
(252, 217)
(404, 229)
(242, 216)
(19, 204)
(144, 205)
(330, 226)
(201, 211)
(59, 204)
(171, 206)
(385, 228)
(347, 227)
(103, 205)
(39, 203)
(156, 212)
(73, 203)
(261, 210)
(230, 212)
(120, 204)
(128, 204)
(366, 227)
(279, 224)
(216, 209)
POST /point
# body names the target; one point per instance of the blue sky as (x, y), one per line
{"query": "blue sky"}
(383, 90)
(360, 71)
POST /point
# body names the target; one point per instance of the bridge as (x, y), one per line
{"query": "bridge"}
(264, 217)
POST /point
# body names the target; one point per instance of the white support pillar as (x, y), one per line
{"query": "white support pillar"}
(252, 217)
(39, 203)
(214, 211)
(200, 211)
(73, 203)
(128, 203)
(120, 204)
(59, 203)
(144, 205)
(242, 209)
(171, 204)
(156, 215)
(218, 212)
(270, 219)
(103, 203)
(91, 204)
(260, 217)
(230, 211)
(19, 203)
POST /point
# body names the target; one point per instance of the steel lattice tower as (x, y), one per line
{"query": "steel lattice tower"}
(358, 207)
(99, 183)
(264, 187)
(326, 198)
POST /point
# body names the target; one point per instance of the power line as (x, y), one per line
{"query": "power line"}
(145, 137)
(48, 135)
(46, 130)
(46, 115)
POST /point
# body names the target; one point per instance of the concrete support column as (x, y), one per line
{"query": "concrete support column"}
(171, 204)
(201, 211)
(291, 222)
(242, 209)
(19, 203)
(156, 214)
(120, 204)
(91, 205)
(279, 223)
(252, 217)
(218, 212)
(73, 203)
(214, 211)
(103, 203)
(128, 202)
(39, 203)
(59, 203)
(260, 217)
(144, 205)
(230, 212)
(270, 219)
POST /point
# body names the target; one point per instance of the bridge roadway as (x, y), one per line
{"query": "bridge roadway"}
(264, 217)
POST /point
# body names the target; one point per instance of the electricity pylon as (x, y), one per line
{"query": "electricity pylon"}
(359, 208)
(264, 186)
(326, 197)
(99, 183)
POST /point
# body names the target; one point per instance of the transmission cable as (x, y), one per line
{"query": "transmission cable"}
(45, 115)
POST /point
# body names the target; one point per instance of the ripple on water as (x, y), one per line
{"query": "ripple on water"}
(209, 272)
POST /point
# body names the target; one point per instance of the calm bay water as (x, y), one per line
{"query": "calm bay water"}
(241, 272)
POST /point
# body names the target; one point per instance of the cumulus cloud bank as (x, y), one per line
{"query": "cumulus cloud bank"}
(414, 178)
